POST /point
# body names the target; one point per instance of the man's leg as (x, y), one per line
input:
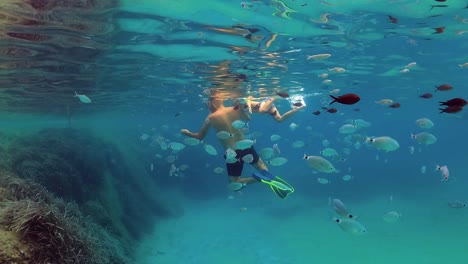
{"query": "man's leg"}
(246, 180)
(234, 171)
(266, 105)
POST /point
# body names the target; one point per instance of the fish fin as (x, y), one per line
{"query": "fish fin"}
(334, 99)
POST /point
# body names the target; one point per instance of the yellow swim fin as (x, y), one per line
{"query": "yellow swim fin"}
(280, 187)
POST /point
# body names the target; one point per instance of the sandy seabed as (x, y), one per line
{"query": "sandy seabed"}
(258, 228)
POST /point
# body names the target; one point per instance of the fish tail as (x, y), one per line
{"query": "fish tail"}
(441, 110)
(334, 99)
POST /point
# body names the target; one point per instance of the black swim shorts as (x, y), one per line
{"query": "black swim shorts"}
(235, 169)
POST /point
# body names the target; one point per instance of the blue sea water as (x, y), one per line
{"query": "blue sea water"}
(149, 68)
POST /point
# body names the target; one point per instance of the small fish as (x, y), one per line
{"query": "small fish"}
(316, 112)
(340, 209)
(405, 71)
(318, 57)
(144, 137)
(424, 138)
(331, 110)
(456, 204)
(423, 169)
(444, 171)
(454, 102)
(238, 124)
(210, 150)
(192, 141)
(464, 65)
(426, 95)
(351, 226)
(236, 186)
(323, 181)
(395, 105)
(230, 153)
(248, 158)
(439, 30)
(244, 144)
(176, 146)
(293, 126)
(177, 114)
(283, 94)
(297, 104)
(83, 98)
(444, 87)
(337, 70)
(325, 75)
(384, 102)
(348, 99)
(347, 177)
(451, 109)
(391, 217)
(393, 20)
(224, 135)
(275, 137)
(277, 161)
(276, 149)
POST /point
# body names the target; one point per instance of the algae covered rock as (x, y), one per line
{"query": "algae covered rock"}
(69, 163)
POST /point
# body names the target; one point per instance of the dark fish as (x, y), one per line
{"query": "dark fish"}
(298, 104)
(316, 112)
(451, 109)
(439, 30)
(283, 94)
(357, 109)
(454, 102)
(332, 110)
(395, 105)
(440, 0)
(177, 114)
(444, 87)
(394, 20)
(348, 99)
(426, 95)
(303, 4)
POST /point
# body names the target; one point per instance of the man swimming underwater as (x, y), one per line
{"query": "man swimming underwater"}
(221, 119)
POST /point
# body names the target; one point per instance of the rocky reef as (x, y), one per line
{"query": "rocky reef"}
(67, 196)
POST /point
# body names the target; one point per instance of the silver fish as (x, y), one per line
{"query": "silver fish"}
(457, 204)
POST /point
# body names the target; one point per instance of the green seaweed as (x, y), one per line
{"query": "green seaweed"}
(56, 230)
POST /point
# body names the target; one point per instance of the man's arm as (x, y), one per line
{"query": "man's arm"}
(200, 134)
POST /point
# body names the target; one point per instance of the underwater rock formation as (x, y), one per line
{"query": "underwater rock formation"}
(57, 177)
(46, 229)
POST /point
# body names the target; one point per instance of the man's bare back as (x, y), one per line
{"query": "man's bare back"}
(221, 120)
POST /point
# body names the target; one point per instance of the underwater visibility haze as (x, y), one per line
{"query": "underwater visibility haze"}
(125, 125)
